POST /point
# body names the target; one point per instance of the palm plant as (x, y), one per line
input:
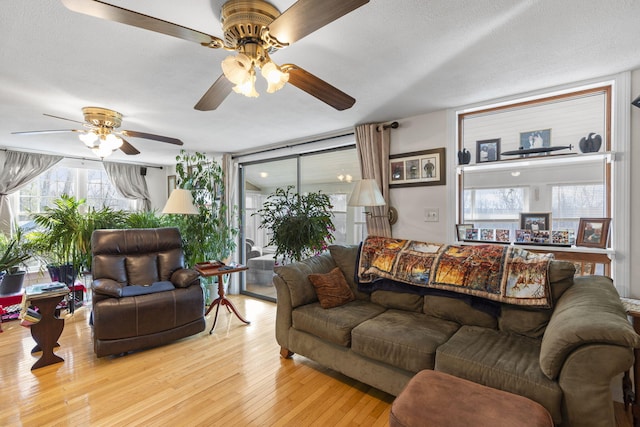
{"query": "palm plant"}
(65, 235)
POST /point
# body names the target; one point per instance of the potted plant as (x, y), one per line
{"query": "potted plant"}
(207, 235)
(301, 224)
(65, 236)
(13, 252)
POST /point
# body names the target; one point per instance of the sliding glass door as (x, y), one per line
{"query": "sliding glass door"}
(334, 172)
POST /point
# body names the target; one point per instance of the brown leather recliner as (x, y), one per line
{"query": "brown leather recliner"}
(142, 294)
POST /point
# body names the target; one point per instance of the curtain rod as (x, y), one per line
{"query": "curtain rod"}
(280, 147)
(82, 158)
(392, 125)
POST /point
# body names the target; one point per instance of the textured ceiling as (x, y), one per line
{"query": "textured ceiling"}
(398, 58)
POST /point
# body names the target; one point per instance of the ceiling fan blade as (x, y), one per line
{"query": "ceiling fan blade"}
(128, 148)
(136, 134)
(63, 118)
(110, 12)
(319, 88)
(33, 132)
(218, 91)
(306, 16)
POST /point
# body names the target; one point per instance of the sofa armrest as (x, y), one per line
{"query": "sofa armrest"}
(107, 287)
(185, 277)
(589, 312)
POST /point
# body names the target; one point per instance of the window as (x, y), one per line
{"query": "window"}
(93, 185)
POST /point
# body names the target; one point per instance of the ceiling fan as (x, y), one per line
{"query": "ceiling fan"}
(100, 134)
(253, 29)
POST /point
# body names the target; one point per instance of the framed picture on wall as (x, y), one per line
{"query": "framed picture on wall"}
(488, 150)
(593, 232)
(418, 168)
(171, 184)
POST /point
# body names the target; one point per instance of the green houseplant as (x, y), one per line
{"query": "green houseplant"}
(64, 240)
(207, 235)
(13, 252)
(301, 224)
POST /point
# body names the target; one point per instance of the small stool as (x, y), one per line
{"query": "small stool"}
(436, 399)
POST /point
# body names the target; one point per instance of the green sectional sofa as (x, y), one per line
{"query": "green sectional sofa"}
(564, 358)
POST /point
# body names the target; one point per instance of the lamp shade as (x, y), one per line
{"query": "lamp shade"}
(180, 202)
(366, 193)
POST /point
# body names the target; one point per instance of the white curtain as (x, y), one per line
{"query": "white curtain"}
(129, 182)
(18, 169)
(373, 145)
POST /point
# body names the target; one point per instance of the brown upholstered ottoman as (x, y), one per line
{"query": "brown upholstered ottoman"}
(437, 399)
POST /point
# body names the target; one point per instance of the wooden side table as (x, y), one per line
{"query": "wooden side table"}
(629, 389)
(222, 299)
(47, 331)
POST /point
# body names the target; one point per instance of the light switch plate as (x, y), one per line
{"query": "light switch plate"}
(431, 215)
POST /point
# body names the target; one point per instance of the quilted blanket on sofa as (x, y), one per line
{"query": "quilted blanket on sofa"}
(502, 273)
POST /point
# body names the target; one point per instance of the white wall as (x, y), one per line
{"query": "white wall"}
(635, 186)
(419, 133)
(157, 184)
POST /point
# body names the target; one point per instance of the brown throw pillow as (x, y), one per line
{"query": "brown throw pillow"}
(332, 288)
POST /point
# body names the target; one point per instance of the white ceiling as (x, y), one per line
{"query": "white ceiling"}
(398, 58)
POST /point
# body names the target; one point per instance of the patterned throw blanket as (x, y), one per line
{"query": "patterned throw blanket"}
(500, 273)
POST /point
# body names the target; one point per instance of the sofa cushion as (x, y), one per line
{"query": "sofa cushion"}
(345, 257)
(457, 310)
(533, 322)
(398, 300)
(331, 288)
(334, 324)
(500, 360)
(407, 340)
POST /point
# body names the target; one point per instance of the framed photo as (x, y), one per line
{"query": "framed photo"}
(471, 234)
(535, 221)
(503, 235)
(461, 231)
(418, 168)
(535, 139)
(523, 236)
(593, 232)
(488, 150)
(171, 184)
(487, 234)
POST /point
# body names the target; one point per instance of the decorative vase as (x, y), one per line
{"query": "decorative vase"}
(590, 143)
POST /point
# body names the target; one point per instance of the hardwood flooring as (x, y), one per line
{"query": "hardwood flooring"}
(234, 377)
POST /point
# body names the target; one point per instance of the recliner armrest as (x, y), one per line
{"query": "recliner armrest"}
(107, 287)
(185, 277)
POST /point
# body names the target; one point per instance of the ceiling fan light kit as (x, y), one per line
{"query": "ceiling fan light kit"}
(101, 135)
(253, 29)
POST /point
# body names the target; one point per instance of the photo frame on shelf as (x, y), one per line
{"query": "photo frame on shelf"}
(461, 231)
(535, 221)
(503, 235)
(418, 168)
(593, 232)
(488, 150)
(535, 139)
(171, 184)
(487, 234)
(471, 234)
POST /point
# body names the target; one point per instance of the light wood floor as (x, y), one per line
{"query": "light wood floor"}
(234, 377)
